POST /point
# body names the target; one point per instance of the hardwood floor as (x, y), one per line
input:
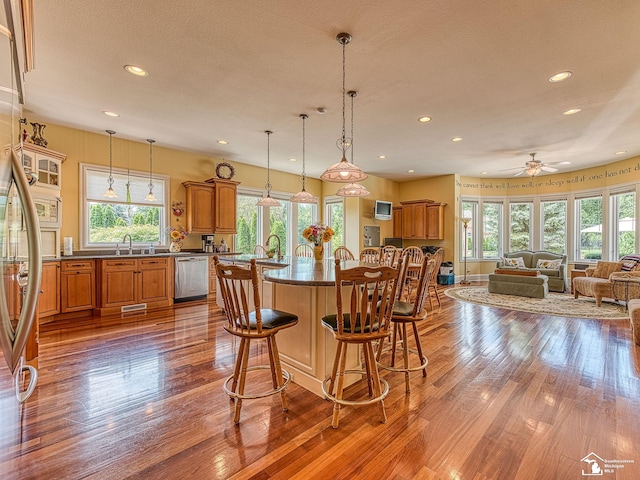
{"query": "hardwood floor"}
(509, 395)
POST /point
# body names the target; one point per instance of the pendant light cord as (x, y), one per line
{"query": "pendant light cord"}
(352, 94)
(304, 173)
(344, 91)
(268, 185)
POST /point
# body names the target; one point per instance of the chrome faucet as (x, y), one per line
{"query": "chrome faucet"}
(279, 248)
(124, 239)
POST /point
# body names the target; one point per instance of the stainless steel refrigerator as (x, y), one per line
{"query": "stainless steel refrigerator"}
(21, 266)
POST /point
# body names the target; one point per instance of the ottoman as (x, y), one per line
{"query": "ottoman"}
(523, 286)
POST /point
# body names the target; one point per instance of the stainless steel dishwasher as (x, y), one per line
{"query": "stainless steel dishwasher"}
(191, 278)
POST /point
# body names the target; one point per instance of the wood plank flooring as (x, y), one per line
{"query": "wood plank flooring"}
(509, 395)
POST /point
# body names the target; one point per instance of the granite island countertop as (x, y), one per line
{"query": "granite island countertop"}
(308, 272)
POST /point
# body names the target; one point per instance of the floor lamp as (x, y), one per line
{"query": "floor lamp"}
(465, 221)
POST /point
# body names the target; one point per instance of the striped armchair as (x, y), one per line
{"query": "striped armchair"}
(597, 282)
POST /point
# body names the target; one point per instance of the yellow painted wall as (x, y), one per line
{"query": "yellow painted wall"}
(608, 175)
(93, 148)
(439, 189)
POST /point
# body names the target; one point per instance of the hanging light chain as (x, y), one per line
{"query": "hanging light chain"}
(111, 133)
(151, 142)
(304, 173)
(352, 94)
(344, 91)
(268, 185)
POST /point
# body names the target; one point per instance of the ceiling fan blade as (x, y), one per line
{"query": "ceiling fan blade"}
(558, 163)
(507, 169)
(549, 169)
(519, 173)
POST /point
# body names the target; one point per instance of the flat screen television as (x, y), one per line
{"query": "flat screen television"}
(382, 210)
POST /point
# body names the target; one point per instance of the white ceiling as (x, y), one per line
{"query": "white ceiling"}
(230, 69)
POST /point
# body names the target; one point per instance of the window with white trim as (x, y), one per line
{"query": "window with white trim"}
(105, 221)
(255, 223)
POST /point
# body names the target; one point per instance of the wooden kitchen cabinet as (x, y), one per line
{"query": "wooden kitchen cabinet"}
(77, 285)
(49, 299)
(140, 282)
(422, 220)
(414, 220)
(47, 164)
(211, 206)
(435, 221)
(397, 222)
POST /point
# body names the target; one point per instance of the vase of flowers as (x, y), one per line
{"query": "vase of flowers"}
(318, 234)
(176, 235)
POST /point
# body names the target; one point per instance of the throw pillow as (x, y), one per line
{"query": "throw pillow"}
(514, 262)
(629, 262)
(549, 264)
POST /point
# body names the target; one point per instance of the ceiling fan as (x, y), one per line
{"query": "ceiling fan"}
(534, 167)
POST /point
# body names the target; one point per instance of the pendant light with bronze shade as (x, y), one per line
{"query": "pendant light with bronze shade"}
(303, 196)
(268, 201)
(352, 189)
(110, 193)
(343, 171)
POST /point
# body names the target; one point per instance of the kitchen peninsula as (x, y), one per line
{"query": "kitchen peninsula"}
(306, 288)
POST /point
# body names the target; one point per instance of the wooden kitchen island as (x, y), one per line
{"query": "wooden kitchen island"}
(307, 288)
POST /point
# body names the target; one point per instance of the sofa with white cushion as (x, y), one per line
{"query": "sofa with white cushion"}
(552, 265)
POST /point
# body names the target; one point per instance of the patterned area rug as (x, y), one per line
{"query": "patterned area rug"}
(562, 305)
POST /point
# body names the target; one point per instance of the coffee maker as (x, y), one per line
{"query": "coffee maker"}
(207, 243)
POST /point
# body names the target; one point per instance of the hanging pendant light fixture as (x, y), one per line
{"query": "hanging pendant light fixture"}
(352, 189)
(110, 193)
(150, 196)
(268, 201)
(303, 196)
(343, 171)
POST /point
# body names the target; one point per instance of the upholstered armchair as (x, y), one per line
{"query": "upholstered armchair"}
(597, 282)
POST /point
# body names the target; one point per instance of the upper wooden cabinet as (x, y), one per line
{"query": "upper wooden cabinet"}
(45, 163)
(397, 222)
(435, 221)
(211, 206)
(422, 220)
(414, 220)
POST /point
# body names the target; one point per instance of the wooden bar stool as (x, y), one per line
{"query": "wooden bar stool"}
(261, 323)
(304, 250)
(343, 253)
(405, 312)
(366, 318)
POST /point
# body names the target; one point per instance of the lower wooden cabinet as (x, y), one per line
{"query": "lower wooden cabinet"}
(77, 285)
(49, 299)
(136, 283)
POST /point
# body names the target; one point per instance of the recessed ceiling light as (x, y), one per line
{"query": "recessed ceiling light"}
(572, 111)
(456, 139)
(621, 152)
(382, 157)
(293, 160)
(223, 142)
(410, 171)
(111, 114)
(424, 119)
(137, 71)
(559, 77)
(483, 173)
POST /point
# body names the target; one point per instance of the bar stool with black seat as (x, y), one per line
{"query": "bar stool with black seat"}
(258, 324)
(366, 318)
(404, 312)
